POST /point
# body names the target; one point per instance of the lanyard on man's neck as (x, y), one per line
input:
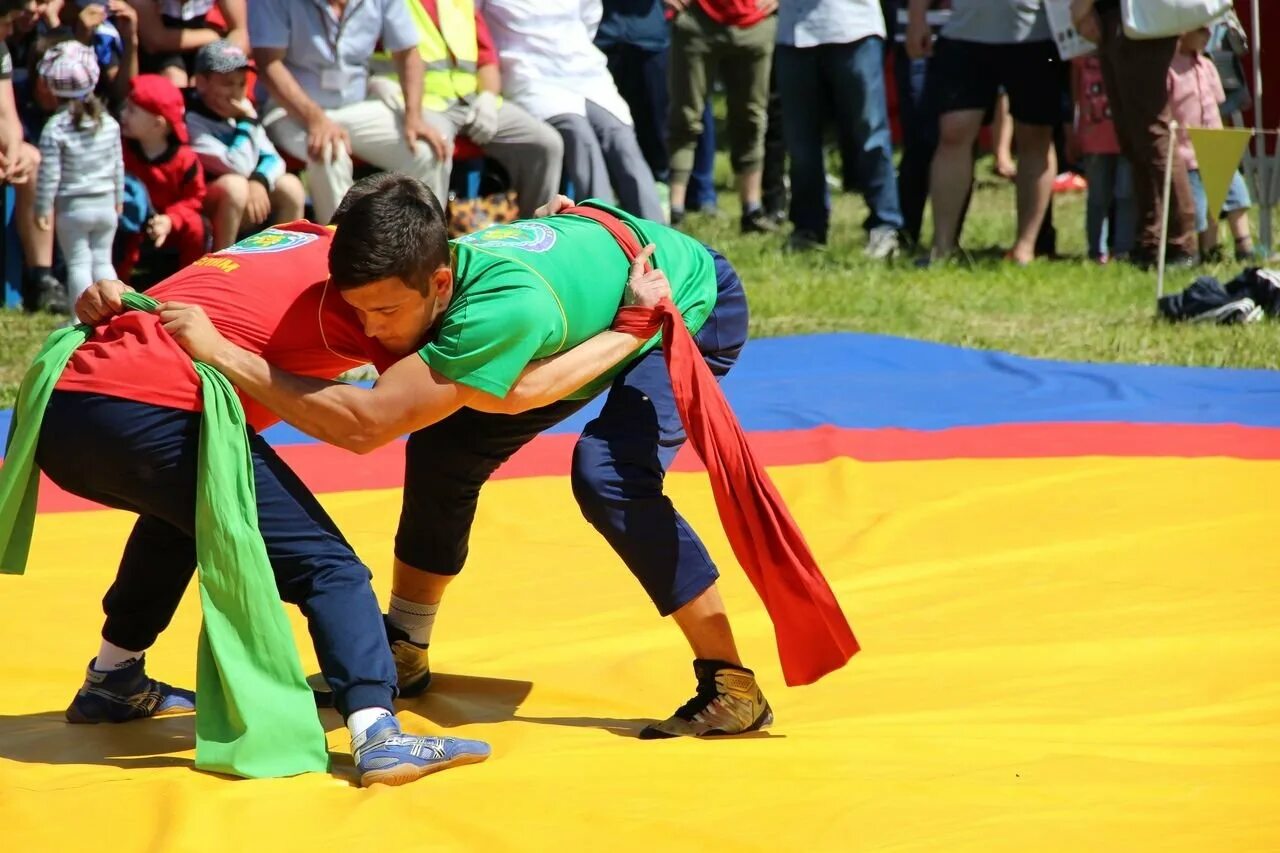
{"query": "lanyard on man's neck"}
(334, 36)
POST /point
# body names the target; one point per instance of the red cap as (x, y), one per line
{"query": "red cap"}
(157, 94)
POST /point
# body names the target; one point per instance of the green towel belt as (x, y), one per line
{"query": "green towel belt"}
(255, 715)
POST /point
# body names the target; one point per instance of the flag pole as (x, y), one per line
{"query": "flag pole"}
(1164, 219)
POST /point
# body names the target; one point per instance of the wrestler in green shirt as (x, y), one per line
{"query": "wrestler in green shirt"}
(531, 289)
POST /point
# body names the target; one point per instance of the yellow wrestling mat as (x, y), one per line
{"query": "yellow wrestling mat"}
(1059, 654)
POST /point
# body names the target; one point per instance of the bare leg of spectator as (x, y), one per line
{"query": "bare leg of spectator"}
(1002, 138)
(952, 176)
(39, 286)
(287, 199)
(1239, 222)
(1209, 237)
(224, 203)
(37, 245)
(751, 188)
(1037, 165)
(629, 174)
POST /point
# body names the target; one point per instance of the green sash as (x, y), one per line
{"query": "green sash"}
(255, 714)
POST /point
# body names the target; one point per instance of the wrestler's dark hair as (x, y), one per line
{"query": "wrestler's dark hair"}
(388, 225)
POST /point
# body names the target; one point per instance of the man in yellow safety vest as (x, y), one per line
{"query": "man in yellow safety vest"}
(461, 95)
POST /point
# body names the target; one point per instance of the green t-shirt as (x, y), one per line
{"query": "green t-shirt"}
(535, 287)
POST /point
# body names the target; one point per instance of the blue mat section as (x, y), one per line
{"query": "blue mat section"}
(876, 381)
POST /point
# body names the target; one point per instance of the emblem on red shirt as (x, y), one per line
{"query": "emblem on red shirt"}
(271, 240)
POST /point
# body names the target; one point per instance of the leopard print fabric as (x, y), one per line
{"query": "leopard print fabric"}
(468, 215)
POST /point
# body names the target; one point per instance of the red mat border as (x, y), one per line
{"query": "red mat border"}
(329, 469)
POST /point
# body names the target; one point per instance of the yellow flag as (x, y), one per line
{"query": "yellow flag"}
(1218, 153)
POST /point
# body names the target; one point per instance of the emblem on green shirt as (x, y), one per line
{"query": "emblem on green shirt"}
(529, 236)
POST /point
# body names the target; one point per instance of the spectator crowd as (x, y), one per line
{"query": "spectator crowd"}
(140, 135)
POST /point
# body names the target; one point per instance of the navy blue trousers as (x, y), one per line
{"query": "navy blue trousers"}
(143, 458)
(641, 77)
(619, 465)
(845, 81)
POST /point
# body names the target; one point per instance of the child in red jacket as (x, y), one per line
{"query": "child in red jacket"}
(157, 152)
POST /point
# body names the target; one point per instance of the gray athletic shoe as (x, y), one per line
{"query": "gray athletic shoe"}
(882, 243)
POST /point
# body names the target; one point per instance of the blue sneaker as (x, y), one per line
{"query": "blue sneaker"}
(126, 694)
(386, 756)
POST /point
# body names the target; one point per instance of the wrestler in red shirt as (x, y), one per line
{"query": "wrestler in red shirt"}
(120, 429)
(268, 292)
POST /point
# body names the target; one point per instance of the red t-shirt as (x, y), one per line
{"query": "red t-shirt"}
(733, 13)
(268, 293)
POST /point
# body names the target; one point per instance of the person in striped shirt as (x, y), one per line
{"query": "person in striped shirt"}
(247, 181)
(81, 178)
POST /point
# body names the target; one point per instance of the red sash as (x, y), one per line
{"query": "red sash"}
(813, 636)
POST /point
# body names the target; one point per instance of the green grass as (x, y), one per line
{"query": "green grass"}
(20, 337)
(1067, 309)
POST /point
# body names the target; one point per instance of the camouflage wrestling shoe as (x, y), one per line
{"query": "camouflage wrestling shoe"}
(126, 694)
(728, 702)
(413, 669)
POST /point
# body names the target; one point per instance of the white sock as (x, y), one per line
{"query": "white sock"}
(112, 657)
(413, 618)
(363, 718)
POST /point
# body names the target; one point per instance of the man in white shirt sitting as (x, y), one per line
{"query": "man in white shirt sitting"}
(551, 68)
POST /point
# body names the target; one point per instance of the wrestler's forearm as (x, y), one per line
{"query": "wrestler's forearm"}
(332, 412)
(551, 379)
